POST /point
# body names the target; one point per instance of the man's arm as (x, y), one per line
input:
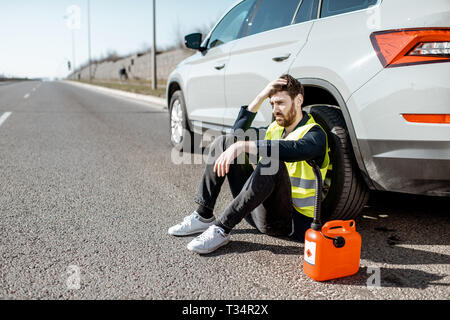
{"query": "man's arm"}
(247, 113)
(311, 147)
(244, 119)
(264, 94)
(222, 164)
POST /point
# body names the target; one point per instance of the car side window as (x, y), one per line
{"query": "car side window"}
(333, 7)
(270, 14)
(307, 11)
(228, 28)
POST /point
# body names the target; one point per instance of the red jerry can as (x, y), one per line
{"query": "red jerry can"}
(332, 250)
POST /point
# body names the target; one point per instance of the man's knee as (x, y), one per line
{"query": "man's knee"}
(268, 230)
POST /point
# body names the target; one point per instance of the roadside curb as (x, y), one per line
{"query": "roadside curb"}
(142, 97)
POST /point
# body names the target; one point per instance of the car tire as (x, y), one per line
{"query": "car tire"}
(181, 137)
(345, 193)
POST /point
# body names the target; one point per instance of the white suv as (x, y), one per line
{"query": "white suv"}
(376, 77)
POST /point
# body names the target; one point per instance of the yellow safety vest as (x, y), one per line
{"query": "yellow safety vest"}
(301, 174)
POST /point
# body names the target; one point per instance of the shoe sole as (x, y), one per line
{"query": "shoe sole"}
(186, 234)
(189, 233)
(206, 251)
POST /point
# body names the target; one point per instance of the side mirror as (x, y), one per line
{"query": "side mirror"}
(193, 41)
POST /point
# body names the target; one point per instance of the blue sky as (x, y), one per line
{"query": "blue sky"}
(36, 42)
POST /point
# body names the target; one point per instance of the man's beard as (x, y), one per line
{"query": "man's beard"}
(289, 119)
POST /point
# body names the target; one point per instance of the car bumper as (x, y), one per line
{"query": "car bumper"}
(398, 155)
(418, 167)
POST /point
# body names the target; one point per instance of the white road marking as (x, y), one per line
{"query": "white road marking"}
(26, 96)
(4, 117)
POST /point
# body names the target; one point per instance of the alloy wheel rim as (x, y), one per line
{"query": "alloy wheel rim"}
(176, 122)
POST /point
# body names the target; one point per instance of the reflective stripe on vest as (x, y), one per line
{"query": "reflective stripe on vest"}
(301, 174)
(303, 202)
(303, 183)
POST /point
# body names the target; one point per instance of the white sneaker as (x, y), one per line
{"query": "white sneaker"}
(190, 225)
(210, 240)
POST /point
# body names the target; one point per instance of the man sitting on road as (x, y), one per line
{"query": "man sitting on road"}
(277, 202)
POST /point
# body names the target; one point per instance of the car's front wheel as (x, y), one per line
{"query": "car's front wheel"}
(180, 135)
(344, 193)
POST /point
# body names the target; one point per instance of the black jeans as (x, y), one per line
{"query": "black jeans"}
(262, 195)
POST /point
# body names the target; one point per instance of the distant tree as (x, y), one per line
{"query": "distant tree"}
(112, 56)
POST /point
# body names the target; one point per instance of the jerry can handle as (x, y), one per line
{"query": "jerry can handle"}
(347, 225)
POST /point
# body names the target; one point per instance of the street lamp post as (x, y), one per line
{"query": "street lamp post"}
(89, 38)
(74, 64)
(73, 22)
(154, 84)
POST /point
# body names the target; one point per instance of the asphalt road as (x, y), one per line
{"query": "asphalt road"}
(89, 188)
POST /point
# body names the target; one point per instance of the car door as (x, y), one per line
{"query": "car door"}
(275, 32)
(205, 94)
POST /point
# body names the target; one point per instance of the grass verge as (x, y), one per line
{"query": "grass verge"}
(141, 87)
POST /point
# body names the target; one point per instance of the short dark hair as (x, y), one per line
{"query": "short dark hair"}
(293, 87)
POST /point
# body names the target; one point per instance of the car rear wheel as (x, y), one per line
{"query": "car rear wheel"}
(344, 193)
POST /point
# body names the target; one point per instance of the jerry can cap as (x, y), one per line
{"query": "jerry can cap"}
(339, 241)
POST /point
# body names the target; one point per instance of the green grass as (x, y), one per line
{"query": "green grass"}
(135, 86)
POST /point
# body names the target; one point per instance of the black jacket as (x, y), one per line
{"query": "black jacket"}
(311, 147)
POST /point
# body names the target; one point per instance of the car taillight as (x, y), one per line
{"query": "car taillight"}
(402, 47)
(432, 49)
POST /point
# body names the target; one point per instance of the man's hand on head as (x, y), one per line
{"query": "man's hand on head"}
(265, 93)
(276, 84)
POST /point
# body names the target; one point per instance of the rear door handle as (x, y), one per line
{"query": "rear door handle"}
(219, 66)
(281, 58)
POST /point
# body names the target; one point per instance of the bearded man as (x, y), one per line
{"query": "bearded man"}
(277, 196)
